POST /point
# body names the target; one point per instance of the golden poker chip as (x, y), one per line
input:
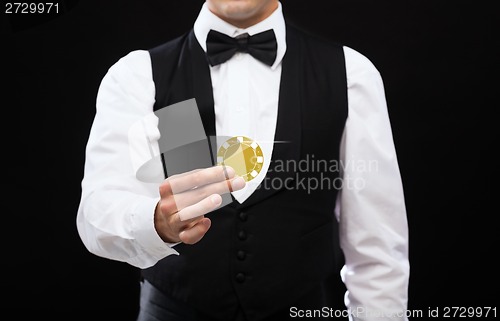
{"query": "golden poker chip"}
(242, 154)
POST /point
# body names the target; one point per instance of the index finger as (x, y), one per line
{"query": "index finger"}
(198, 178)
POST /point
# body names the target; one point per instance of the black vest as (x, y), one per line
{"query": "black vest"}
(268, 251)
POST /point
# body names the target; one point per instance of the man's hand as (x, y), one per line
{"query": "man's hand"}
(187, 197)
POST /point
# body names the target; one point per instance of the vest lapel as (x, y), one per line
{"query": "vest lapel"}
(201, 84)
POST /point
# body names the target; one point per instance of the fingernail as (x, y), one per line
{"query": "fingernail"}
(216, 199)
(238, 183)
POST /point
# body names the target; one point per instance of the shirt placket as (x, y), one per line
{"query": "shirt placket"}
(239, 95)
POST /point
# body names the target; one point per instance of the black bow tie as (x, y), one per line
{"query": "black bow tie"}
(221, 47)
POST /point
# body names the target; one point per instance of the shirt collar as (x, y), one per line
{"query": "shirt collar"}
(207, 20)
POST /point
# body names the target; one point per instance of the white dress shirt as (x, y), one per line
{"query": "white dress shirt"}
(115, 216)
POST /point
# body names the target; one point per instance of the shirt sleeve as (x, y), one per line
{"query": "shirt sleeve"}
(115, 217)
(371, 208)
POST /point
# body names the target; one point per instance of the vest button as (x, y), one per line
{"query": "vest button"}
(243, 216)
(242, 235)
(240, 277)
(241, 255)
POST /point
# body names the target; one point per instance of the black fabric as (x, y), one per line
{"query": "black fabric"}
(155, 305)
(181, 72)
(221, 47)
(268, 252)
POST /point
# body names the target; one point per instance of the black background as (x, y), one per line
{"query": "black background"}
(437, 59)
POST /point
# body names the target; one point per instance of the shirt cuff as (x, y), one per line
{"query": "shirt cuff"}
(144, 230)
